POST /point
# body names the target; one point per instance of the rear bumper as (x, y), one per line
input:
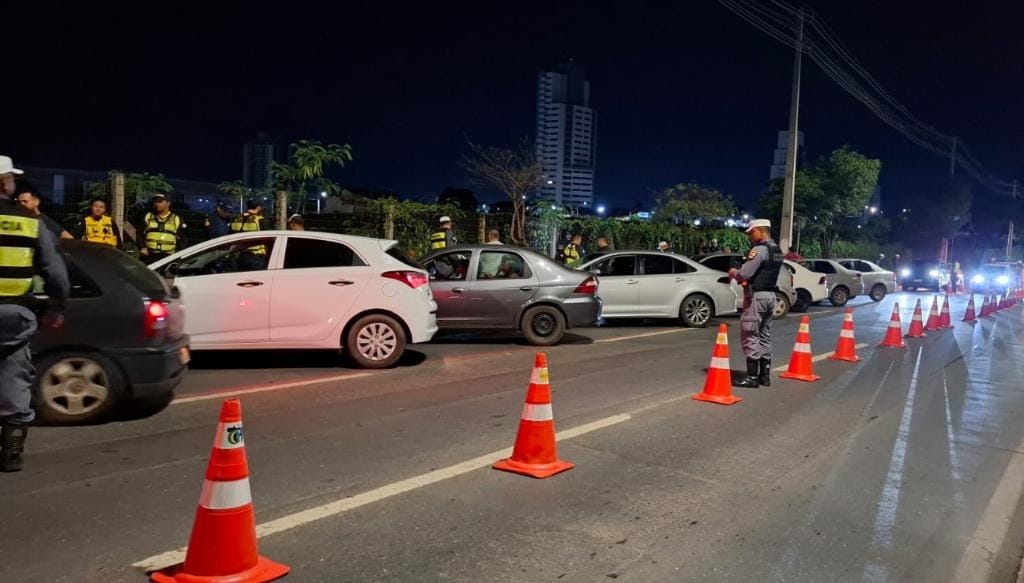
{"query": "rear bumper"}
(582, 312)
(152, 372)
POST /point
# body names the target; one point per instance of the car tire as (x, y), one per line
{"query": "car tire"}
(839, 296)
(803, 301)
(543, 325)
(76, 388)
(696, 311)
(375, 341)
(782, 306)
(878, 292)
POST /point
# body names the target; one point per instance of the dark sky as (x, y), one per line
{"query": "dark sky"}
(684, 91)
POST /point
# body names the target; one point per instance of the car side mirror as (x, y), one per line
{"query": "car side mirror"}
(595, 270)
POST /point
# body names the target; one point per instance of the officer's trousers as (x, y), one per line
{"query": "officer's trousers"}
(17, 325)
(756, 324)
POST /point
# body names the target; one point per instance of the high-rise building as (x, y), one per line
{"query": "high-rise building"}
(566, 136)
(256, 159)
(778, 168)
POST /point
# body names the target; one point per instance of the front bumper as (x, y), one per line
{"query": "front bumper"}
(152, 372)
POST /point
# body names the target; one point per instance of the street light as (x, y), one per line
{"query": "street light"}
(600, 209)
(696, 222)
(746, 217)
(874, 209)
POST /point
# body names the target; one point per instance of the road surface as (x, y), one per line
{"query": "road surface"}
(906, 466)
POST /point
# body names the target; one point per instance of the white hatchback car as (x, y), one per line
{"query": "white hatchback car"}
(303, 290)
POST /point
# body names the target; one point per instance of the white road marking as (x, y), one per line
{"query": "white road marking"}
(817, 358)
(275, 387)
(644, 335)
(304, 517)
(954, 459)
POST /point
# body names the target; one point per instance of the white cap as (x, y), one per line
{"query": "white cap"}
(445, 219)
(7, 166)
(758, 223)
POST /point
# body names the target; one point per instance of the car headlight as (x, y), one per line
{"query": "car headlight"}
(933, 273)
(977, 279)
(905, 272)
(1003, 280)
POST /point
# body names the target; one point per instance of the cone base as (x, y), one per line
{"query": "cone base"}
(264, 570)
(921, 335)
(891, 345)
(539, 471)
(808, 378)
(845, 358)
(719, 399)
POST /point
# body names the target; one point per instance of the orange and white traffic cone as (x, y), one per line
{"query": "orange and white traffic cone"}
(944, 321)
(801, 366)
(917, 323)
(718, 383)
(933, 316)
(222, 548)
(894, 334)
(846, 347)
(969, 315)
(986, 307)
(535, 452)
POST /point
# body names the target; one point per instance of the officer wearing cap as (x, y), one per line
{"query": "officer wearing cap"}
(444, 237)
(163, 231)
(219, 223)
(759, 276)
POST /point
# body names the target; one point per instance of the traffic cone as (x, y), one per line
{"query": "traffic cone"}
(718, 383)
(846, 348)
(986, 308)
(933, 316)
(969, 315)
(917, 323)
(944, 321)
(894, 335)
(800, 365)
(222, 548)
(535, 452)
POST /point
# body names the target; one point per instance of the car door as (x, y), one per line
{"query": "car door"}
(659, 285)
(450, 287)
(619, 285)
(226, 291)
(500, 285)
(315, 289)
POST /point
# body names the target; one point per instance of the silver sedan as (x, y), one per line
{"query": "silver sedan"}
(878, 281)
(651, 284)
(843, 284)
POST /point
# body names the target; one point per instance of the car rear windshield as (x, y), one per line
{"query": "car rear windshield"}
(133, 273)
(396, 252)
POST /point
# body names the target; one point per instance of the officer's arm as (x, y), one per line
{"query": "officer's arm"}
(52, 269)
(749, 267)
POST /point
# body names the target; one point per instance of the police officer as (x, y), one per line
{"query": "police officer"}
(254, 258)
(573, 252)
(759, 276)
(98, 226)
(443, 238)
(21, 230)
(162, 231)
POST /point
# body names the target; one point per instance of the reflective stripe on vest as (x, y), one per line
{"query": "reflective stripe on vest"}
(101, 231)
(18, 239)
(438, 240)
(162, 235)
(248, 224)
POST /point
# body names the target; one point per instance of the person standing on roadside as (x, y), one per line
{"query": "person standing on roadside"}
(219, 223)
(445, 237)
(759, 276)
(573, 252)
(494, 237)
(255, 256)
(28, 197)
(35, 254)
(163, 231)
(603, 246)
(98, 227)
(296, 223)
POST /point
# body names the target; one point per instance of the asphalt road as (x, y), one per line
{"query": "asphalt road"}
(906, 466)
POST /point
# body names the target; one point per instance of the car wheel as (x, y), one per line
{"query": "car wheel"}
(782, 306)
(877, 292)
(839, 296)
(543, 326)
(76, 388)
(803, 301)
(375, 341)
(696, 311)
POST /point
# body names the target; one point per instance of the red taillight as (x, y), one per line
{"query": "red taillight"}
(154, 318)
(822, 280)
(588, 287)
(413, 279)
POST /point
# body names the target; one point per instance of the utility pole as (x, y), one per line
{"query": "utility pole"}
(1009, 242)
(789, 183)
(952, 160)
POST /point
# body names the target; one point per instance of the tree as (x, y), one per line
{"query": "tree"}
(683, 203)
(237, 190)
(310, 160)
(946, 212)
(137, 186)
(513, 171)
(460, 197)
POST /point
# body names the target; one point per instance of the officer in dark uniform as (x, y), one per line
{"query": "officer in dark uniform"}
(759, 276)
(34, 252)
(444, 237)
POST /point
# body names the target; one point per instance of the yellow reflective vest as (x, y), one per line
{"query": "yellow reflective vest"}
(162, 234)
(101, 231)
(247, 223)
(439, 240)
(19, 236)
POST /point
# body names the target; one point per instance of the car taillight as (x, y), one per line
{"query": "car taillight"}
(413, 279)
(822, 280)
(589, 287)
(154, 318)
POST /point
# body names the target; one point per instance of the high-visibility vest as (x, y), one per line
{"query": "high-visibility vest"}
(247, 223)
(19, 237)
(101, 231)
(439, 240)
(162, 235)
(571, 254)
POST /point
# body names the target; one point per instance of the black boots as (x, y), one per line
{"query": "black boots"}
(12, 444)
(753, 370)
(764, 376)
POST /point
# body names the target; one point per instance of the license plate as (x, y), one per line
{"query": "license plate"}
(184, 356)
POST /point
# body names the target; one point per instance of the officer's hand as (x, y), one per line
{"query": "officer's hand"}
(52, 320)
(734, 272)
(144, 251)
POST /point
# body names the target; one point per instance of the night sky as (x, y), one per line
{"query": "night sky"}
(682, 94)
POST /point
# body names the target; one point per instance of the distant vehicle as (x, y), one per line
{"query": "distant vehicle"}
(785, 296)
(996, 278)
(303, 290)
(924, 274)
(122, 338)
(653, 284)
(843, 284)
(509, 288)
(878, 281)
(811, 287)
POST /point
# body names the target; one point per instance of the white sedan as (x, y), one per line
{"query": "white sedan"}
(810, 286)
(303, 290)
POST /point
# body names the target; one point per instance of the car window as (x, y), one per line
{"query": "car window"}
(683, 267)
(824, 267)
(303, 253)
(233, 257)
(449, 267)
(82, 286)
(790, 268)
(657, 264)
(618, 266)
(501, 265)
(720, 262)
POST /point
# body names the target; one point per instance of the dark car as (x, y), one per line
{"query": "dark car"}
(924, 274)
(123, 337)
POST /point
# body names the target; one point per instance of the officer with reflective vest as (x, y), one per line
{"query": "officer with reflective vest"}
(98, 227)
(253, 258)
(162, 230)
(573, 252)
(30, 251)
(445, 237)
(759, 276)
